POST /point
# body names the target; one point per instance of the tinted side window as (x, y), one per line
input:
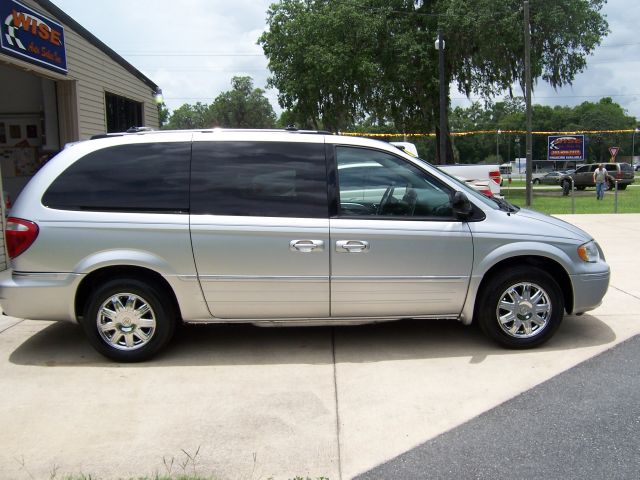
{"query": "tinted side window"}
(270, 179)
(150, 177)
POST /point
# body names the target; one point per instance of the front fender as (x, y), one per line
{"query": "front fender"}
(508, 253)
(487, 260)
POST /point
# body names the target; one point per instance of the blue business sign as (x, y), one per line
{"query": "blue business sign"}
(29, 35)
(565, 147)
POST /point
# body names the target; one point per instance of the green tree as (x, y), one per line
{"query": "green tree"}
(242, 107)
(163, 114)
(510, 115)
(337, 62)
(605, 115)
(189, 116)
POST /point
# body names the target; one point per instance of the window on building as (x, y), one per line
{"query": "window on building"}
(122, 113)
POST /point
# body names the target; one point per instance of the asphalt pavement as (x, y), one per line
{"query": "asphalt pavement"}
(581, 424)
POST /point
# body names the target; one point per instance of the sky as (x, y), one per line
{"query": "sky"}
(192, 49)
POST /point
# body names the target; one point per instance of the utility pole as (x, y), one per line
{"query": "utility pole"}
(443, 100)
(527, 94)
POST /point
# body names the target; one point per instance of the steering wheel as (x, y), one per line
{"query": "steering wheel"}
(385, 199)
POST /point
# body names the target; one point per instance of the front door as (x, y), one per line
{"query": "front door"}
(396, 248)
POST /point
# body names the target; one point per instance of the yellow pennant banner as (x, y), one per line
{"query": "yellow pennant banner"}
(484, 132)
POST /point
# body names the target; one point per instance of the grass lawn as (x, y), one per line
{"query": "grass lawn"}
(552, 201)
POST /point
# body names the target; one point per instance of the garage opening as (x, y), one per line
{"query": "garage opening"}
(30, 130)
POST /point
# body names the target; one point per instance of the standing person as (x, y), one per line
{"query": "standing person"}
(600, 178)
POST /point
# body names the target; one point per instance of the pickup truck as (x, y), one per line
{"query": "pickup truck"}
(477, 173)
(486, 178)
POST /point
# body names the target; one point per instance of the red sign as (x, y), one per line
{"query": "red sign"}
(614, 151)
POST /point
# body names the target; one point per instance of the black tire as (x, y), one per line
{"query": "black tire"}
(622, 187)
(536, 181)
(509, 285)
(581, 188)
(144, 320)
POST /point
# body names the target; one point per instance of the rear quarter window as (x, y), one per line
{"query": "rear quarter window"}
(150, 177)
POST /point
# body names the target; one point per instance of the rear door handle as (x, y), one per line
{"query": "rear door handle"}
(306, 246)
(351, 246)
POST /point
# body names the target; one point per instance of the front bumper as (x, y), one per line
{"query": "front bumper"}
(588, 290)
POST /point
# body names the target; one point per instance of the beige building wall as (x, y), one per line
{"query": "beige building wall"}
(95, 73)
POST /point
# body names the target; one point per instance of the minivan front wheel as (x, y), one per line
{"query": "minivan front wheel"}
(128, 320)
(521, 309)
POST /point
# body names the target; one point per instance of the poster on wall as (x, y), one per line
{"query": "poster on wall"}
(30, 36)
(20, 143)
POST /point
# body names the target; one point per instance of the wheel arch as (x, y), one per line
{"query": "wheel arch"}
(552, 267)
(95, 278)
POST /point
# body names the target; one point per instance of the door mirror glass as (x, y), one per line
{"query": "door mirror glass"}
(461, 205)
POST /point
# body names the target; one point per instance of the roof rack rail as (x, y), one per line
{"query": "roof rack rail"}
(104, 135)
(139, 129)
(134, 130)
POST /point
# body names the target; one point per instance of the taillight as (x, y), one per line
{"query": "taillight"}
(495, 176)
(486, 191)
(20, 235)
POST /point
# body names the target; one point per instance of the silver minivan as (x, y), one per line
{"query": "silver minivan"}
(131, 234)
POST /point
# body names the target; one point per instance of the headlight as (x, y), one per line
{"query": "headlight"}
(588, 252)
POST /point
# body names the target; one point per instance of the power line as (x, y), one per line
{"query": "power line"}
(616, 45)
(171, 54)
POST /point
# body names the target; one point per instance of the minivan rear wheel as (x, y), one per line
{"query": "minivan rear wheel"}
(521, 308)
(128, 320)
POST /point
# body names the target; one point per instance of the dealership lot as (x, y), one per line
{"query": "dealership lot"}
(256, 403)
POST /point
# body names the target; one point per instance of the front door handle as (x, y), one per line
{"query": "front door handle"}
(351, 246)
(306, 246)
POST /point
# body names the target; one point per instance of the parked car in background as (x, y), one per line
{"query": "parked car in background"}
(583, 176)
(506, 169)
(551, 178)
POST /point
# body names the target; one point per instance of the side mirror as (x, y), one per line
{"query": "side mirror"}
(461, 206)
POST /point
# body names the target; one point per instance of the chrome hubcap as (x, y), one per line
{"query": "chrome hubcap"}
(126, 321)
(524, 310)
